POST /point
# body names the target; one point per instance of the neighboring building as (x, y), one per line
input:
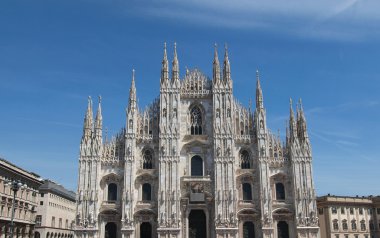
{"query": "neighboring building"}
(196, 163)
(25, 204)
(55, 212)
(349, 217)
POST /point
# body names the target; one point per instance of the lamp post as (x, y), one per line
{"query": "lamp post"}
(15, 186)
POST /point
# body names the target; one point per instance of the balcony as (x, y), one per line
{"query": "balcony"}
(196, 188)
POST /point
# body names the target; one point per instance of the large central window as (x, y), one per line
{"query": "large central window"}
(195, 121)
(196, 166)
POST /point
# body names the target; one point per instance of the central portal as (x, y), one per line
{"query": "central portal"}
(197, 224)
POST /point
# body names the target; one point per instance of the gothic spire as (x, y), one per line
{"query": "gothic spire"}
(99, 118)
(216, 65)
(88, 118)
(259, 92)
(226, 68)
(175, 66)
(292, 122)
(165, 67)
(132, 94)
(301, 122)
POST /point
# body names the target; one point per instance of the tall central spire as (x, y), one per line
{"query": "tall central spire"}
(165, 67)
(99, 118)
(132, 94)
(216, 65)
(259, 92)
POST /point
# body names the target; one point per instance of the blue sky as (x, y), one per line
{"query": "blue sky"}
(54, 54)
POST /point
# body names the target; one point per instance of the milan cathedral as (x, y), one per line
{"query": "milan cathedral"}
(196, 164)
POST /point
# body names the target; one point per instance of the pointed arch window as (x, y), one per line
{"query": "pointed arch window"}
(353, 225)
(363, 227)
(196, 121)
(147, 159)
(245, 160)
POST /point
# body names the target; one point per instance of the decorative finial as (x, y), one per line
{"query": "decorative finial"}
(290, 102)
(100, 99)
(133, 74)
(165, 45)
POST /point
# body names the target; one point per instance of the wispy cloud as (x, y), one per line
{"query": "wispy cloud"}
(342, 19)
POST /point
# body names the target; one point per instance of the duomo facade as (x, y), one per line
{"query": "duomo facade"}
(196, 164)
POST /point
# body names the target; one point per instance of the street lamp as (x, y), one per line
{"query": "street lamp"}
(15, 186)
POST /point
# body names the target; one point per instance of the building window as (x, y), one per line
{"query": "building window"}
(147, 160)
(38, 220)
(195, 121)
(362, 225)
(335, 225)
(112, 192)
(336, 236)
(356, 236)
(378, 211)
(371, 226)
(342, 210)
(41, 203)
(247, 192)
(146, 192)
(353, 225)
(280, 191)
(42, 195)
(361, 211)
(53, 222)
(196, 166)
(60, 223)
(345, 236)
(333, 210)
(320, 211)
(245, 160)
(67, 224)
(351, 210)
(344, 225)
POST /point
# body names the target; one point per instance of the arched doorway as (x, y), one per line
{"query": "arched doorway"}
(145, 230)
(37, 234)
(110, 231)
(248, 230)
(282, 229)
(197, 224)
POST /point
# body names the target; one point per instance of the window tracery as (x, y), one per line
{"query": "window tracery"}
(196, 121)
(245, 160)
(147, 159)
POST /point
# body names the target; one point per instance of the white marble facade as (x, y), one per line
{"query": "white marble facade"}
(196, 163)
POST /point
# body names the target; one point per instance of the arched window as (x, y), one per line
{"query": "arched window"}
(195, 121)
(146, 192)
(248, 230)
(147, 160)
(247, 192)
(196, 166)
(344, 225)
(335, 225)
(353, 225)
(112, 192)
(280, 191)
(245, 160)
(362, 225)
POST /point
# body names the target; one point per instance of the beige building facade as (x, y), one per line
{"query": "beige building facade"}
(56, 211)
(25, 200)
(349, 217)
